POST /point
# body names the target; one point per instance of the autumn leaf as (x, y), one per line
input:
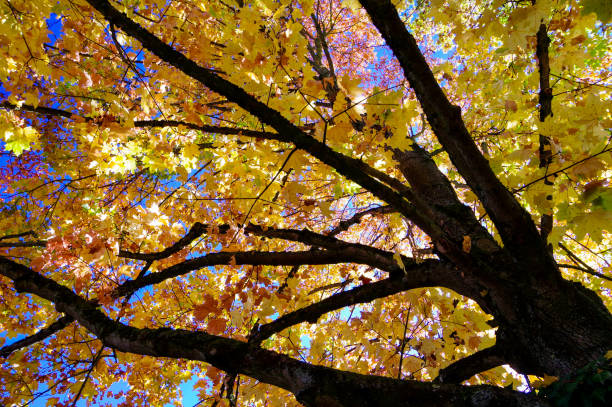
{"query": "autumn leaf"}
(216, 326)
(201, 311)
(510, 105)
(411, 167)
(467, 244)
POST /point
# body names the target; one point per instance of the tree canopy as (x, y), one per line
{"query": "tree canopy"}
(327, 203)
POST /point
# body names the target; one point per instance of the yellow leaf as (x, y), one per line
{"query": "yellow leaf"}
(31, 99)
(543, 381)
(253, 77)
(352, 4)
(325, 209)
(398, 259)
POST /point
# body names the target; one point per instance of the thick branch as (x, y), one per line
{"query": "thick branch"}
(427, 181)
(48, 111)
(383, 259)
(303, 236)
(44, 333)
(426, 274)
(311, 257)
(429, 273)
(514, 224)
(545, 98)
(545, 95)
(312, 385)
(18, 235)
(467, 367)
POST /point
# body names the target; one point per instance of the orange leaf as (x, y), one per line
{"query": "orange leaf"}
(474, 341)
(216, 325)
(200, 312)
(467, 244)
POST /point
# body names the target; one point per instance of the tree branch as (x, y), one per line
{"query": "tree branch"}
(559, 171)
(467, 367)
(356, 218)
(416, 275)
(312, 385)
(311, 257)
(37, 243)
(545, 94)
(389, 181)
(514, 224)
(43, 334)
(48, 111)
(586, 268)
(197, 230)
(545, 99)
(18, 235)
(427, 181)
(383, 259)
(426, 274)
(351, 168)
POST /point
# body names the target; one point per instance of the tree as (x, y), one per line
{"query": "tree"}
(356, 203)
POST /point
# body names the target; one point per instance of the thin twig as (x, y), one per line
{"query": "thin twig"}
(587, 269)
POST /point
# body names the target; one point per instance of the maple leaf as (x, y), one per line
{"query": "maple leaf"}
(216, 325)
(251, 191)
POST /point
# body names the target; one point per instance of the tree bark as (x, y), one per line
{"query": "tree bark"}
(312, 385)
(546, 325)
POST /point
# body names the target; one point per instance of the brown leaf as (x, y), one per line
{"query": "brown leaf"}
(201, 311)
(467, 244)
(511, 105)
(216, 325)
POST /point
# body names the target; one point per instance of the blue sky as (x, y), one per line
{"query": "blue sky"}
(54, 23)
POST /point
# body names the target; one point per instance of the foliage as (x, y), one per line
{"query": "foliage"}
(288, 176)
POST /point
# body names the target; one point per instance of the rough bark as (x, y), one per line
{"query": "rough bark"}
(518, 232)
(543, 319)
(545, 99)
(467, 367)
(546, 325)
(312, 385)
